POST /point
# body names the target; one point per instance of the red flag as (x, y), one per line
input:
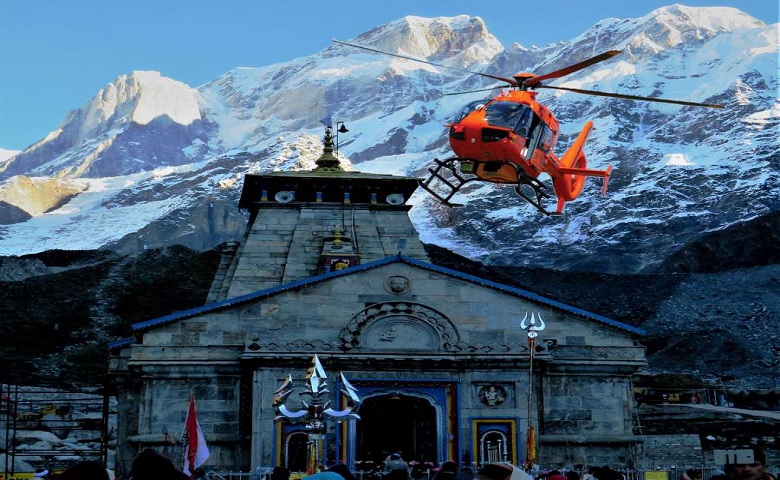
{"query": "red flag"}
(195, 449)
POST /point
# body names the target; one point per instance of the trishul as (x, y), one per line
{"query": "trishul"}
(316, 410)
(534, 325)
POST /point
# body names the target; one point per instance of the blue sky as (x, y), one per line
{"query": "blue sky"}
(56, 55)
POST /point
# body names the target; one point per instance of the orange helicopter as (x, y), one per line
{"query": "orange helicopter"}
(509, 139)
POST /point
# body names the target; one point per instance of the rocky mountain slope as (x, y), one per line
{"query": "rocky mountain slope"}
(719, 326)
(152, 162)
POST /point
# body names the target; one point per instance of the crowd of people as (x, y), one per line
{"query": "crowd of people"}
(151, 465)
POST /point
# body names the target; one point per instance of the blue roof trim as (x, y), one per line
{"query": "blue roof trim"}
(368, 266)
(230, 302)
(120, 343)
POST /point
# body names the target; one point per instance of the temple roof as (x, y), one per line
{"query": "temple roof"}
(231, 302)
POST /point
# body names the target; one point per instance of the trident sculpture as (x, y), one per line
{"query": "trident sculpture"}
(316, 402)
(534, 325)
(317, 409)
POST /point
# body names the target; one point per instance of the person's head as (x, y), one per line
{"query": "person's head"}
(151, 465)
(449, 466)
(342, 470)
(280, 473)
(85, 470)
(751, 471)
(606, 473)
(395, 456)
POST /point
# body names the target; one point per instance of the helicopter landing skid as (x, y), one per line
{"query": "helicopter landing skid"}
(447, 172)
(453, 181)
(539, 192)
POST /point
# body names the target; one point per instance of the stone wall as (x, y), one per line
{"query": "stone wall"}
(664, 451)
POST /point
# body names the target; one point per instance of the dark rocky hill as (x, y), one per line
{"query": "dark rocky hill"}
(713, 318)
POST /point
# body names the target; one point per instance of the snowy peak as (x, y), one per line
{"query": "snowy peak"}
(176, 156)
(139, 97)
(6, 154)
(676, 24)
(432, 38)
(140, 108)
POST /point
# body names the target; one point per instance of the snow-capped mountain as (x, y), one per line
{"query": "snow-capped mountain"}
(150, 161)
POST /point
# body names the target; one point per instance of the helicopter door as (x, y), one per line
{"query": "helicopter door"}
(546, 139)
(537, 128)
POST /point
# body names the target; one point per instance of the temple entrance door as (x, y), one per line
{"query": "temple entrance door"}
(392, 423)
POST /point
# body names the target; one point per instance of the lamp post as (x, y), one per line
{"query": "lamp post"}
(342, 129)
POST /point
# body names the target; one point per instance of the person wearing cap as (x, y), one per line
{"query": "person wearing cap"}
(396, 468)
(753, 471)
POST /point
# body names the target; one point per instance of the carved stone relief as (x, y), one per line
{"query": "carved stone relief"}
(492, 395)
(397, 284)
(399, 325)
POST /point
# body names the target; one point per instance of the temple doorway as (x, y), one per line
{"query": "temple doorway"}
(396, 422)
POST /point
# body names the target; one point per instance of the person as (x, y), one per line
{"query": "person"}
(718, 474)
(753, 471)
(85, 470)
(448, 471)
(572, 475)
(342, 470)
(417, 470)
(396, 468)
(691, 474)
(465, 473)
(151, 465)
(606, 473)
(280, 473)
(502, 471)
(555, 475)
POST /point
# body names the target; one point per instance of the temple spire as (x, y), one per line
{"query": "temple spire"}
(328, 161)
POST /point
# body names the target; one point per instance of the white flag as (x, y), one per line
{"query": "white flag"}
(195, 449)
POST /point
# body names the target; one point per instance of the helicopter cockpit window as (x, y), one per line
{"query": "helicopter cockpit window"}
(470, 107)
(509, 115)
(546, 139)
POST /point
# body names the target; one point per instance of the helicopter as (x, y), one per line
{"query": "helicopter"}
(509, 139)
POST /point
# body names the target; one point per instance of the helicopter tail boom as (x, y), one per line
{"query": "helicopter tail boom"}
(569, 177)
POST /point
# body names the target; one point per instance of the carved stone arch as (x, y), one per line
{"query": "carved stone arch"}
(399, 326)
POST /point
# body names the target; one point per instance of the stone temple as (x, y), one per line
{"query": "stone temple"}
(332, 267)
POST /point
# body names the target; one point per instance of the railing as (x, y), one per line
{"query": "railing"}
(213, 475)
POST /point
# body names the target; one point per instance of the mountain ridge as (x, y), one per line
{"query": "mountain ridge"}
(147, 178)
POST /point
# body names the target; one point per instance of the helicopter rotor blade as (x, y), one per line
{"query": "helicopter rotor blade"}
(571, 68)
(510, 81)
(631, 97)
(487, 89)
